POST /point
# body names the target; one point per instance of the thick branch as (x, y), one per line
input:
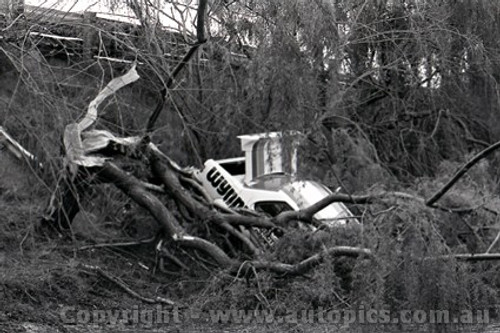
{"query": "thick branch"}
(307, 213)
(173, 186)
(133, 188)
(157, 111)
(307, 264)
(200, 22)
(461, 172)
(222, 259)
(230, 229)
(247, 221)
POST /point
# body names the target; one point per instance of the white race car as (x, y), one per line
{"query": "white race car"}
(259, 181)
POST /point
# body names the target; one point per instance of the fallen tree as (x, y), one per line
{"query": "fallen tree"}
(89, 161)
(94, 156)
(97, 156)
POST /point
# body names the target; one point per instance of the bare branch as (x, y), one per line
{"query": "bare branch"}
(307, 213)
(495, 241)
(174, 187)
(222, 259)
(461, 172)
(307, 264)
(117, 244)
(468, 257)
(132, 187)
(200, 32)
(244, 239)
(167, 221)
(16, 149)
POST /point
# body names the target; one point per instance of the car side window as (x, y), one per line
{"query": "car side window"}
(273, 208)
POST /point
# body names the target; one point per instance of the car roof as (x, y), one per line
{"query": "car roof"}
(271, 182)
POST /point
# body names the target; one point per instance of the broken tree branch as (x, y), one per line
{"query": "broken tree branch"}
(133, 188)
(307, 213)
(307, 264)
(173, 186)
(167, 221)
(461, 172)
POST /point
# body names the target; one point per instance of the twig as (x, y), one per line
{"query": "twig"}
(16, 149)
(494, 241)
(467, 257)
(121, 244)
(126, 288)
(166, 254)
(233, 231)
(175, 72)
(12, 23)
(383, 211)
(196, 186)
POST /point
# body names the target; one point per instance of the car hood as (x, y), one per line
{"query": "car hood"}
(307, 193)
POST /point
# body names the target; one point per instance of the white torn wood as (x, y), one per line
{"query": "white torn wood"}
(98, 139)
(79, 144)
(112, 87)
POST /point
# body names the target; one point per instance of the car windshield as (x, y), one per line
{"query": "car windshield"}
(307, 193)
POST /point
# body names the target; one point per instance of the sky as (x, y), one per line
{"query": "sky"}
(179, 13)
(73, 5)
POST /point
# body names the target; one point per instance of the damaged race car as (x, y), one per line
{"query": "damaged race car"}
(265, 180)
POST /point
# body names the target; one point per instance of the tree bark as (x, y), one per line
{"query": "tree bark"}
(307, 264)
(167, 221)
